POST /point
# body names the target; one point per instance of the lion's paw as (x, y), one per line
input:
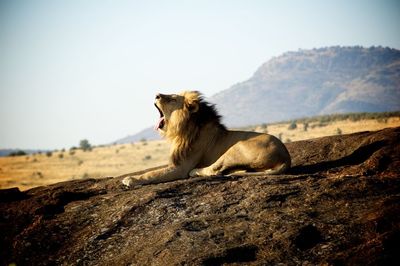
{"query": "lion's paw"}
(195, 172)
(207, 171)
(127, 181)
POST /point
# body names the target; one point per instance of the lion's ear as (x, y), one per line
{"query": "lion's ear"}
(192, 106)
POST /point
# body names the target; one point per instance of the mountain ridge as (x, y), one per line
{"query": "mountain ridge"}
(314, 82)
(307, 83)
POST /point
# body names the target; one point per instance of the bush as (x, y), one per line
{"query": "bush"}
(338, 131)
(305, 126)
(17, 153)
(147, 157)
(292, 125)
(49, 154)
(85, 145)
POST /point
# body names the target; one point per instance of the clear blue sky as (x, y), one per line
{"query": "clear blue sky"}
(77, 69)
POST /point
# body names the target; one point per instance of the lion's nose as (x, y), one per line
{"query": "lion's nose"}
(158, 96)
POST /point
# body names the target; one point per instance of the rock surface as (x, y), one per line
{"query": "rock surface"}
(340, 204)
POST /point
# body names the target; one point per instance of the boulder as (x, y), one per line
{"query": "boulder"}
(339, 204)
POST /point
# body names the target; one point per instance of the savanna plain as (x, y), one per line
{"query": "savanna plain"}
(40, 169)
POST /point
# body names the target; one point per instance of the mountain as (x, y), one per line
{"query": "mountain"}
(309, 83)
(315, 82)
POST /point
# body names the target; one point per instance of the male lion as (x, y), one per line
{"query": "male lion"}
(202, 146)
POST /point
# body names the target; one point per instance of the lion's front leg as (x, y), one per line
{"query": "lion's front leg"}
(167, 174)
(130, 181)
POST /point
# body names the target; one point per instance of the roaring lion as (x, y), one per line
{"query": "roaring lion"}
(202, 146)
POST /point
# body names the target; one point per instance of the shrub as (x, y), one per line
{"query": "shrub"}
(49, 154)
(85, 145)
(338, 131)
(17, 153)
(292, 125)
(305, 126)
(37, 174)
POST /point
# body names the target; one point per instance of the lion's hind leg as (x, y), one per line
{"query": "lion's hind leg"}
(206, 171)
(224, 165)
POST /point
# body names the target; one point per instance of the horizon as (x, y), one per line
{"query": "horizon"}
(75, 70)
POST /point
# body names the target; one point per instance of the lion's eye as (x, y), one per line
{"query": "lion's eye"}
(172, 100)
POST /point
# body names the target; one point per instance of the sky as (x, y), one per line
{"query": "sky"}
(73, 69)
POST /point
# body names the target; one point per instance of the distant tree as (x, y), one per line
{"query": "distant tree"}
(85, 145)
(49, 154)
(292, 125)
(305, 126)
(17, 153)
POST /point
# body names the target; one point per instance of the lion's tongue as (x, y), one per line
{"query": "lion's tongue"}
(159, 124)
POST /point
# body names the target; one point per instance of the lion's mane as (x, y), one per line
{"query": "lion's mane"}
(185, 125)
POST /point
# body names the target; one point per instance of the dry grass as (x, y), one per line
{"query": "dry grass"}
(36, 170)
(318, 129)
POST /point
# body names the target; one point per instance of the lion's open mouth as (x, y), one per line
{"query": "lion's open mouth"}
(161, 122)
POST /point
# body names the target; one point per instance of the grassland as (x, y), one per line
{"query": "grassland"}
(42, 169)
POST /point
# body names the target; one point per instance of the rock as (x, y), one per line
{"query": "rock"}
(340, 204)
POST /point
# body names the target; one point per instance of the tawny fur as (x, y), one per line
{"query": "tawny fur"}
(202, 146)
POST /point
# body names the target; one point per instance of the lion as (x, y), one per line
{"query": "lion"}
(202, 146)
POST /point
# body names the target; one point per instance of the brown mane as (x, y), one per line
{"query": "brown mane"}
(184, 128)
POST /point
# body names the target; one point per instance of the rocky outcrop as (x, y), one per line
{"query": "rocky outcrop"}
(340, 204)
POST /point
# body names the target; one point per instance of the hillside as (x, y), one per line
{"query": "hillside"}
(338, 205)
(313, 82)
